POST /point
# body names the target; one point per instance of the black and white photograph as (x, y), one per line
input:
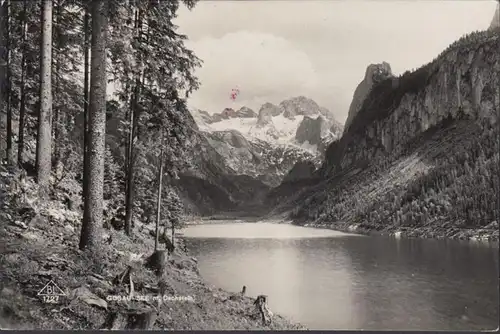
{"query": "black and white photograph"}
(249, 165)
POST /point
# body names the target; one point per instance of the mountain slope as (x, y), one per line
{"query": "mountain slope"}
(495, 21)
(258, 159)
(274, 124)
(267, 145)
(207, 184)
(227, 171)
(374, 74)
(210, 184)
(420, 156)
(317, 132)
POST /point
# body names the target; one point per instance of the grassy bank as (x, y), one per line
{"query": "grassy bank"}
(39, 243)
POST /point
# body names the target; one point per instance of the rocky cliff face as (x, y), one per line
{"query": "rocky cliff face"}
(495, 21)
(255, 158)
(420, 157)
(318, 132)
(211, 184)
(461, 83)
(245, 112)
(374, 74)
(270, 109)
(312, 130)
(301, 170)
(266, 113)
(263, 146)
(300, 105)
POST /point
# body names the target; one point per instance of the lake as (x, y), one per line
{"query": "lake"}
(326, 279)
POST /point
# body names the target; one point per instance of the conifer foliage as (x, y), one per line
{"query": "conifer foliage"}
(61, 124)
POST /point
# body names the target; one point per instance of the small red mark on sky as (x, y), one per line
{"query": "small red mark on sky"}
(234, 94)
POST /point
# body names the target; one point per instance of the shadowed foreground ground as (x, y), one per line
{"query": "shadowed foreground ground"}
(39, 243)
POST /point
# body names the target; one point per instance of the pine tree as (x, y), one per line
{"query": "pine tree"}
(160, 189)
(174, 212)
(8, 81)
(93, 216)
(22, 105)
(145, 67)
(44, 140)
(86, 64)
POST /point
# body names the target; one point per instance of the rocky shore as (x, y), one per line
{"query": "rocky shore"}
(442, 231)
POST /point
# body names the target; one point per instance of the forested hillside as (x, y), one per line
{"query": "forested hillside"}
(420, 157)
(99, 157)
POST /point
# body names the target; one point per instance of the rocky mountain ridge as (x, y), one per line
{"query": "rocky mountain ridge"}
(206, 181)
(267, 145)
(374, 74)
(227, 113)
(277, 124)
(495, 21)
(318, 132)
(258, 159)
(461, 83)
(419, 157)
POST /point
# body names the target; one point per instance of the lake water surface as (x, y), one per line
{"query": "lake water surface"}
(331, 280)
(326, 279)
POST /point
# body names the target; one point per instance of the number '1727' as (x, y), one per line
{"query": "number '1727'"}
(51, 299)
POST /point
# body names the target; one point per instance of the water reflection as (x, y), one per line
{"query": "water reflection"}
(335, 281)
(259, 231)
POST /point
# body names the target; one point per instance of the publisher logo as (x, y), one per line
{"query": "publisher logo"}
(51, 293)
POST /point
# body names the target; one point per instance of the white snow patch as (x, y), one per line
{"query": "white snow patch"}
(313, 149)
(280, 131)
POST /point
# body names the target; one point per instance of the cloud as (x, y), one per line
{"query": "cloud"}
(263, 66)
(319, 49)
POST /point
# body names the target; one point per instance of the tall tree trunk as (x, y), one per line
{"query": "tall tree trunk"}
(127, 146)
(134, 118)
(129, 184)
(22, 107)
(86, 49)
(10, 156)
(128, 158)
(43, 147)
(56, 103)
(173, 233)
(3, 63)
(158, 200)
(93, 217)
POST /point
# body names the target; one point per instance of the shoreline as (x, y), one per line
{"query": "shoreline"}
(483, 235)
(44, 251)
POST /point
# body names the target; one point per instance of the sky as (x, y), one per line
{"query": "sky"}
(274, 50)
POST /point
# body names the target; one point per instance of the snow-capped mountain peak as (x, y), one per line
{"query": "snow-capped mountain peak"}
(298, 121)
